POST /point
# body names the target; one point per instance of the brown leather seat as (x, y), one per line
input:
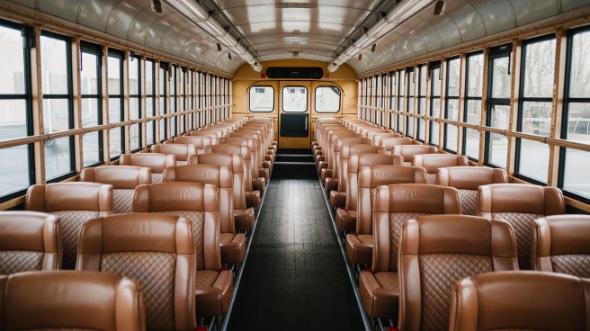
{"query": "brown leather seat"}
(432, 162)
(394, 204)
(214, 136)
(435, 252)
(70, 300)
(200, 204)
(157, 251)
(467, 180)
(72, 203)
(331, 182)
(258, 182)
(29, 241)
(521, 300)
(359, 245)
(252, 196)
(520, 205)
(264, 165)
(157, 162)
(124, 180)
(233, 245)
(561, 243)
(321, 152)
(244, 216)
(408, 151)
(338, 195)
(346, 217)
(388, 143)
(200, 142)
(181, 151)
(378, 137)
(327, 168)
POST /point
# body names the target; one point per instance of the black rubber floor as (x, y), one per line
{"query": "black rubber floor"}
(295, 277)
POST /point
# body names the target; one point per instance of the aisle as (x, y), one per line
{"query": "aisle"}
(295, 277)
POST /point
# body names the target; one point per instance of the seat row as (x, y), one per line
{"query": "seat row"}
(366, 170)
(207, 188)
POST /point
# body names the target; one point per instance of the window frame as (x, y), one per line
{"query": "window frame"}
(95, 49)
(567, 100)
(28, 35)
(495, 53)
(521, 102)
(315, 99)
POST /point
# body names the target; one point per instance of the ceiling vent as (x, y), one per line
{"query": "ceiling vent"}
(296, 5)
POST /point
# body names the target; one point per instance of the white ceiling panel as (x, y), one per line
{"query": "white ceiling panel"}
(532, 11)
(95, 14)
(65, 9)
(569, 5)
(469, 22)
(318, 29)
(498, 15)
(122, 18)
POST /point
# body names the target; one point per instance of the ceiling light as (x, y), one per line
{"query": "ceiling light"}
(403, 11)
(198, 15)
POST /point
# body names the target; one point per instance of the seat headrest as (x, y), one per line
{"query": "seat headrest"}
(138, 231)
(176, 196)
(417, 198)
(377, 175)
(520, 198)
(354, 149)
(219, 176)
(470, 178)
(238, 149)
(463, 234)
(70, 196)
(181, 151)
(432, 162)
(368, 160)
(120, 177)
(61, 299)
(157, 162)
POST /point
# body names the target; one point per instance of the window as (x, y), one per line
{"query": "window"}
(472, 111)
(15, 110)
(452, 103)
(401, 106)
(182, 104)
(410, 102)
(435, 91)
(57, 104)
(294, 99)
(116, 115)
(163, 100)
(421, 123)
(174, 100)
(150, 105)
(327, 99)
(91, 94)
(262, 99)
(392, 97)
(535, 106)
(135, 102)
(574, 174)
(498, 104)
